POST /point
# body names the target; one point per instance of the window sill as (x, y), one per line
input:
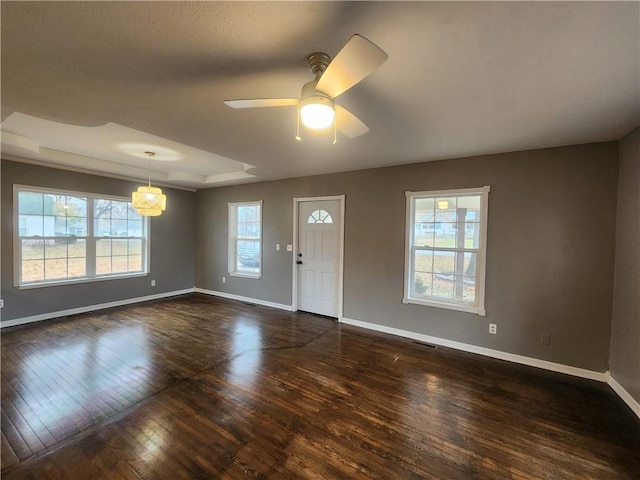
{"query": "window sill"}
(57, 283)
(245, 275)
(448, 306)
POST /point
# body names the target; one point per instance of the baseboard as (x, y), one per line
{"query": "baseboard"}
(257, 301)
(91, 308)
(624, 395)
(487, 352)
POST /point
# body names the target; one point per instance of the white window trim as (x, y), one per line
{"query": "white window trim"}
(17, 257)
(479, 308)
(231, 245)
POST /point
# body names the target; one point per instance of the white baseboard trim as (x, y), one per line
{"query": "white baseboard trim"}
(257, 301)
(624, 395)
(487, 352)
(91, 308)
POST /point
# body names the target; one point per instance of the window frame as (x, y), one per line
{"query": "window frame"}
(232, 228)
(90, 239)
(478, 307)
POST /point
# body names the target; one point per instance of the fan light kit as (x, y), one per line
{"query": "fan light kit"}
(147, 200)
(317, 112)
(316, 106)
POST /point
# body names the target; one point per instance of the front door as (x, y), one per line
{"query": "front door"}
(318, 256)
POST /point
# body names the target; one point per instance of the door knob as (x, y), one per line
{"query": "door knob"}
(299, 262)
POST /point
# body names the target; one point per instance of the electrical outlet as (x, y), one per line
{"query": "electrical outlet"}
(493, 328)
(277, 246)
(545, 339)
(153, 283)
(1, 303)
(224, 279)
(289, 248)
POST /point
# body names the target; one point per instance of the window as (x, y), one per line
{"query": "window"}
(64, 237)
(320, 216)
(445, 250)
(245, 239)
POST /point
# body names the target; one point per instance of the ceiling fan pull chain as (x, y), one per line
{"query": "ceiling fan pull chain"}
(298, 131)
(335, 130)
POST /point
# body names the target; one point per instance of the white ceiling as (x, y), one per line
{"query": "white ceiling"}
(79, 79)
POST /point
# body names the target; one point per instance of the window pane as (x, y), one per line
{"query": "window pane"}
(119, 228)
(423, 284)
(469, 291)
(32, 270)
(445, 235)
(103, 265)
(119, 264)
(443, 287)
(55, 249)
(77, 248)
(119, 247)
(425, 206)
(445, 205)
(55, 268)
(423, 261)
(119, 210)
(30, 203)
(443, 262)
(76, 206)
(77, 267)
(472, 235)
(103, 248)
(49, 203)
(470, 260)
(248, 255)
(135, 263)
(77, 226)
(135, 247)
(101, 208)
(470, 202)
(32, 249)
(30, 225)
(134, 227)
(103, 227)
(60, 226)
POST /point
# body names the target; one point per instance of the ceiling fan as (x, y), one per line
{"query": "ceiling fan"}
(357, 59)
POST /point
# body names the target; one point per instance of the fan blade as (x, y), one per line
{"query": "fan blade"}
(348, 123)
(262, 102)
(357, 59)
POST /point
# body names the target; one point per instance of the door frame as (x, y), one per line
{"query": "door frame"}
(294, 268)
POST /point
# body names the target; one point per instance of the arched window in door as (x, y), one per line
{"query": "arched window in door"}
(320, 216)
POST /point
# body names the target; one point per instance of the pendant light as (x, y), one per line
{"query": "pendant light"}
(147, 200)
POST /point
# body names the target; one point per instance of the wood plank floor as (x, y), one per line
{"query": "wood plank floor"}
(199, 387)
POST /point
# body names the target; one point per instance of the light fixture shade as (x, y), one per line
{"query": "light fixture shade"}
(443, 204)
(149, 201)
(317, 112)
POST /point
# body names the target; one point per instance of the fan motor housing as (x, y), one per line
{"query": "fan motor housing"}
(309, 92)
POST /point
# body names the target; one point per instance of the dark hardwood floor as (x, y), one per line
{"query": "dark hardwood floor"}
(200, 387)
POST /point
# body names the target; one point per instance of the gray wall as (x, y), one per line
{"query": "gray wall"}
(172, 245)
(625, 329)
(550, 248)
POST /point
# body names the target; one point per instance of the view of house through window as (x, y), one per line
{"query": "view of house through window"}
(245, 239)
(446, 244)
(71, 236)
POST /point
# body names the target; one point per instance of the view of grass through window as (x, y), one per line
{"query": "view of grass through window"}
(72, 237)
